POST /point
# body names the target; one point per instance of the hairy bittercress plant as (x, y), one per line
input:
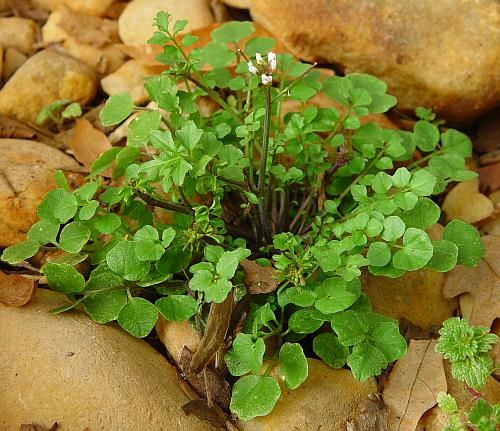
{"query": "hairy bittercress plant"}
(317, 193)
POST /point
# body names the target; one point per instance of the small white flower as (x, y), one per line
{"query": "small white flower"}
(271, 59)
(266, 79)
(251, 68)
(258, 57)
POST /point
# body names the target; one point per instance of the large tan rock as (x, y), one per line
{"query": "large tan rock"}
(325, 401)
(90, 39)
(18, 33)
(26, 175)
(130, 78)
(176, 335)
(135, 24)
(90, 7)
(417, 296)
(43, 79)
(83, 375)
(452, 69)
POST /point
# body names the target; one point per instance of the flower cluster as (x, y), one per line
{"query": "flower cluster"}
(264, 68)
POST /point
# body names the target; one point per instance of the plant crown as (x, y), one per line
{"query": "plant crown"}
(315, 194)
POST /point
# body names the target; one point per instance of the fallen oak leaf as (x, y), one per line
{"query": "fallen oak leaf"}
(87, 142)
(478, 206)
(16, 290)
(215, 333)
(209, 384)
(414, 384)
(258, 278)
(481, 282)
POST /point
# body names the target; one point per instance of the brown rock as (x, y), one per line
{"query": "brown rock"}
(12, 61)
(416, 296)
(130, 78)
(240, 4)
(89, 39)
(26, 175)
(135, 24)
(19, 33)
(69, 369)
(176, 335)
(425, 61)
(43, 79)
(325, 401)
(90, 7)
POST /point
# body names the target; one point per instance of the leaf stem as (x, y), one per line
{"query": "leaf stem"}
(166, 205)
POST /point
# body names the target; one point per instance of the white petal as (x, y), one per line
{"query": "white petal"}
(266, 79)
(258, 57)
(251, 68)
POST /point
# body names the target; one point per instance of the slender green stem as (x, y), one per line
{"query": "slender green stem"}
(356, 180)
(288, 87)
(262, 206)
(215, 96)
(166, 205)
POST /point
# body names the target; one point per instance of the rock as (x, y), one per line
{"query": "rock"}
(239, 4)
(325, 401)
(43, 79)
(12, 61)
(83, 375)
(19, 33)
(89, 7)
(135, 24)
(417, 296)
(130, 78)
(88, 38)
(452, 69)
(4, 5)
(26, 175)
(176, 335)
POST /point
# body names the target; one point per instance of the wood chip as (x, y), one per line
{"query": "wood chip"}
(259, 279)
(16, 290)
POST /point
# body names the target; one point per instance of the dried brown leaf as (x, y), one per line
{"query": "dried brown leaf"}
(414, 384)
(215, 333)
(489, 177)
(259, 279)
(203, 411)
(373, 417)
(87, 142)
(482, 282)
(209, 384)
(16, 290)
(464, 202)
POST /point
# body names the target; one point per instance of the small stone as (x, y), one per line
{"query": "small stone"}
(26, 175)
(90, 39)
(83, 375)
(130, 78)
(176, 335)
(325, 401)
(12, 61)
(90, 7)
(135, 24)
(425, 61)
(19, 33)
(416, 296)
(43, 79)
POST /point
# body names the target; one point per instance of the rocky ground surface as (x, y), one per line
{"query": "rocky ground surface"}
(67, 369)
